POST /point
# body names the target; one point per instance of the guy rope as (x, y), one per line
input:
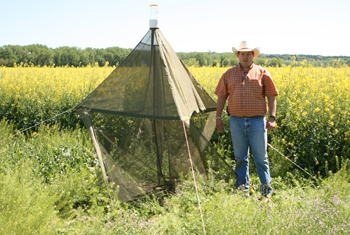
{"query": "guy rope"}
(20, 132)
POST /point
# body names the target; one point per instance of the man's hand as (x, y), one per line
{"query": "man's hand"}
(270, 124)
(220, 125)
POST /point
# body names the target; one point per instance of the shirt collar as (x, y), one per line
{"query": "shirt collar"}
(250, 67)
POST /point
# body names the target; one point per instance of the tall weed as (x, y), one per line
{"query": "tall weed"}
(302, 209)
(26, 204)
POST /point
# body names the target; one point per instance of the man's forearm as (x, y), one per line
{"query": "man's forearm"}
(220, 106)
(272, 103)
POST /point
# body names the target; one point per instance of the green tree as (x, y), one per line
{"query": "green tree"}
(192, 62)
(216, 63)
(226, 59)
(337, 63)
(3, 62)
(348, 62)
(202, 58)
(226, 62)
(261, 61)
(10, 54)
(100, 57)
(66, 56)
(39, 55)
(234, 61)
(276, 62)
(84, 57)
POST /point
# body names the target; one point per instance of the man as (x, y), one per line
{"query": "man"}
(246, 87)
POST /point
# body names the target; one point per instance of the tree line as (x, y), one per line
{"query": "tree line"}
(41, 55)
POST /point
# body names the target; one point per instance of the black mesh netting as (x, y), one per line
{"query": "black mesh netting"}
(136, 119)
(141, 154)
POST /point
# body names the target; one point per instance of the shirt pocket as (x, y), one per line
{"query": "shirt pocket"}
(234, 86)
(256, 87)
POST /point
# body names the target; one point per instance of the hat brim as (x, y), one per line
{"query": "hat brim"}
(255, 50)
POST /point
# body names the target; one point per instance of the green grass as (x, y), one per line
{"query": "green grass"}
(50, 183)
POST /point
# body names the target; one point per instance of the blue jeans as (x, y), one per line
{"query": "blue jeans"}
(245, 132)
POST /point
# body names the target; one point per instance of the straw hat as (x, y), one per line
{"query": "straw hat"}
(245, 47)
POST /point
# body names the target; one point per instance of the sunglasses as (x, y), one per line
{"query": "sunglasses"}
(245, 74)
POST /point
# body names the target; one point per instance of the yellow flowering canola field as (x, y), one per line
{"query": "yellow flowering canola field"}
(312, 114)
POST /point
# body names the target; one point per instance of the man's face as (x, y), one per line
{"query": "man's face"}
(245, 58)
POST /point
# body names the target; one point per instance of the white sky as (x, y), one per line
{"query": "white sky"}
(315, 27)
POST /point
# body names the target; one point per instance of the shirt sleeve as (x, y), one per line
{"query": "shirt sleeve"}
(270, 88)
(221, 89)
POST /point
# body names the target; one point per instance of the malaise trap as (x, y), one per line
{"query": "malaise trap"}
(136, 118)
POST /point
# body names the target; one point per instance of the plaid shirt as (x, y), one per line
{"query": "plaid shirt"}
(246, 92)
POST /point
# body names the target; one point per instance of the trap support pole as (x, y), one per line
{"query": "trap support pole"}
(89, 125)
